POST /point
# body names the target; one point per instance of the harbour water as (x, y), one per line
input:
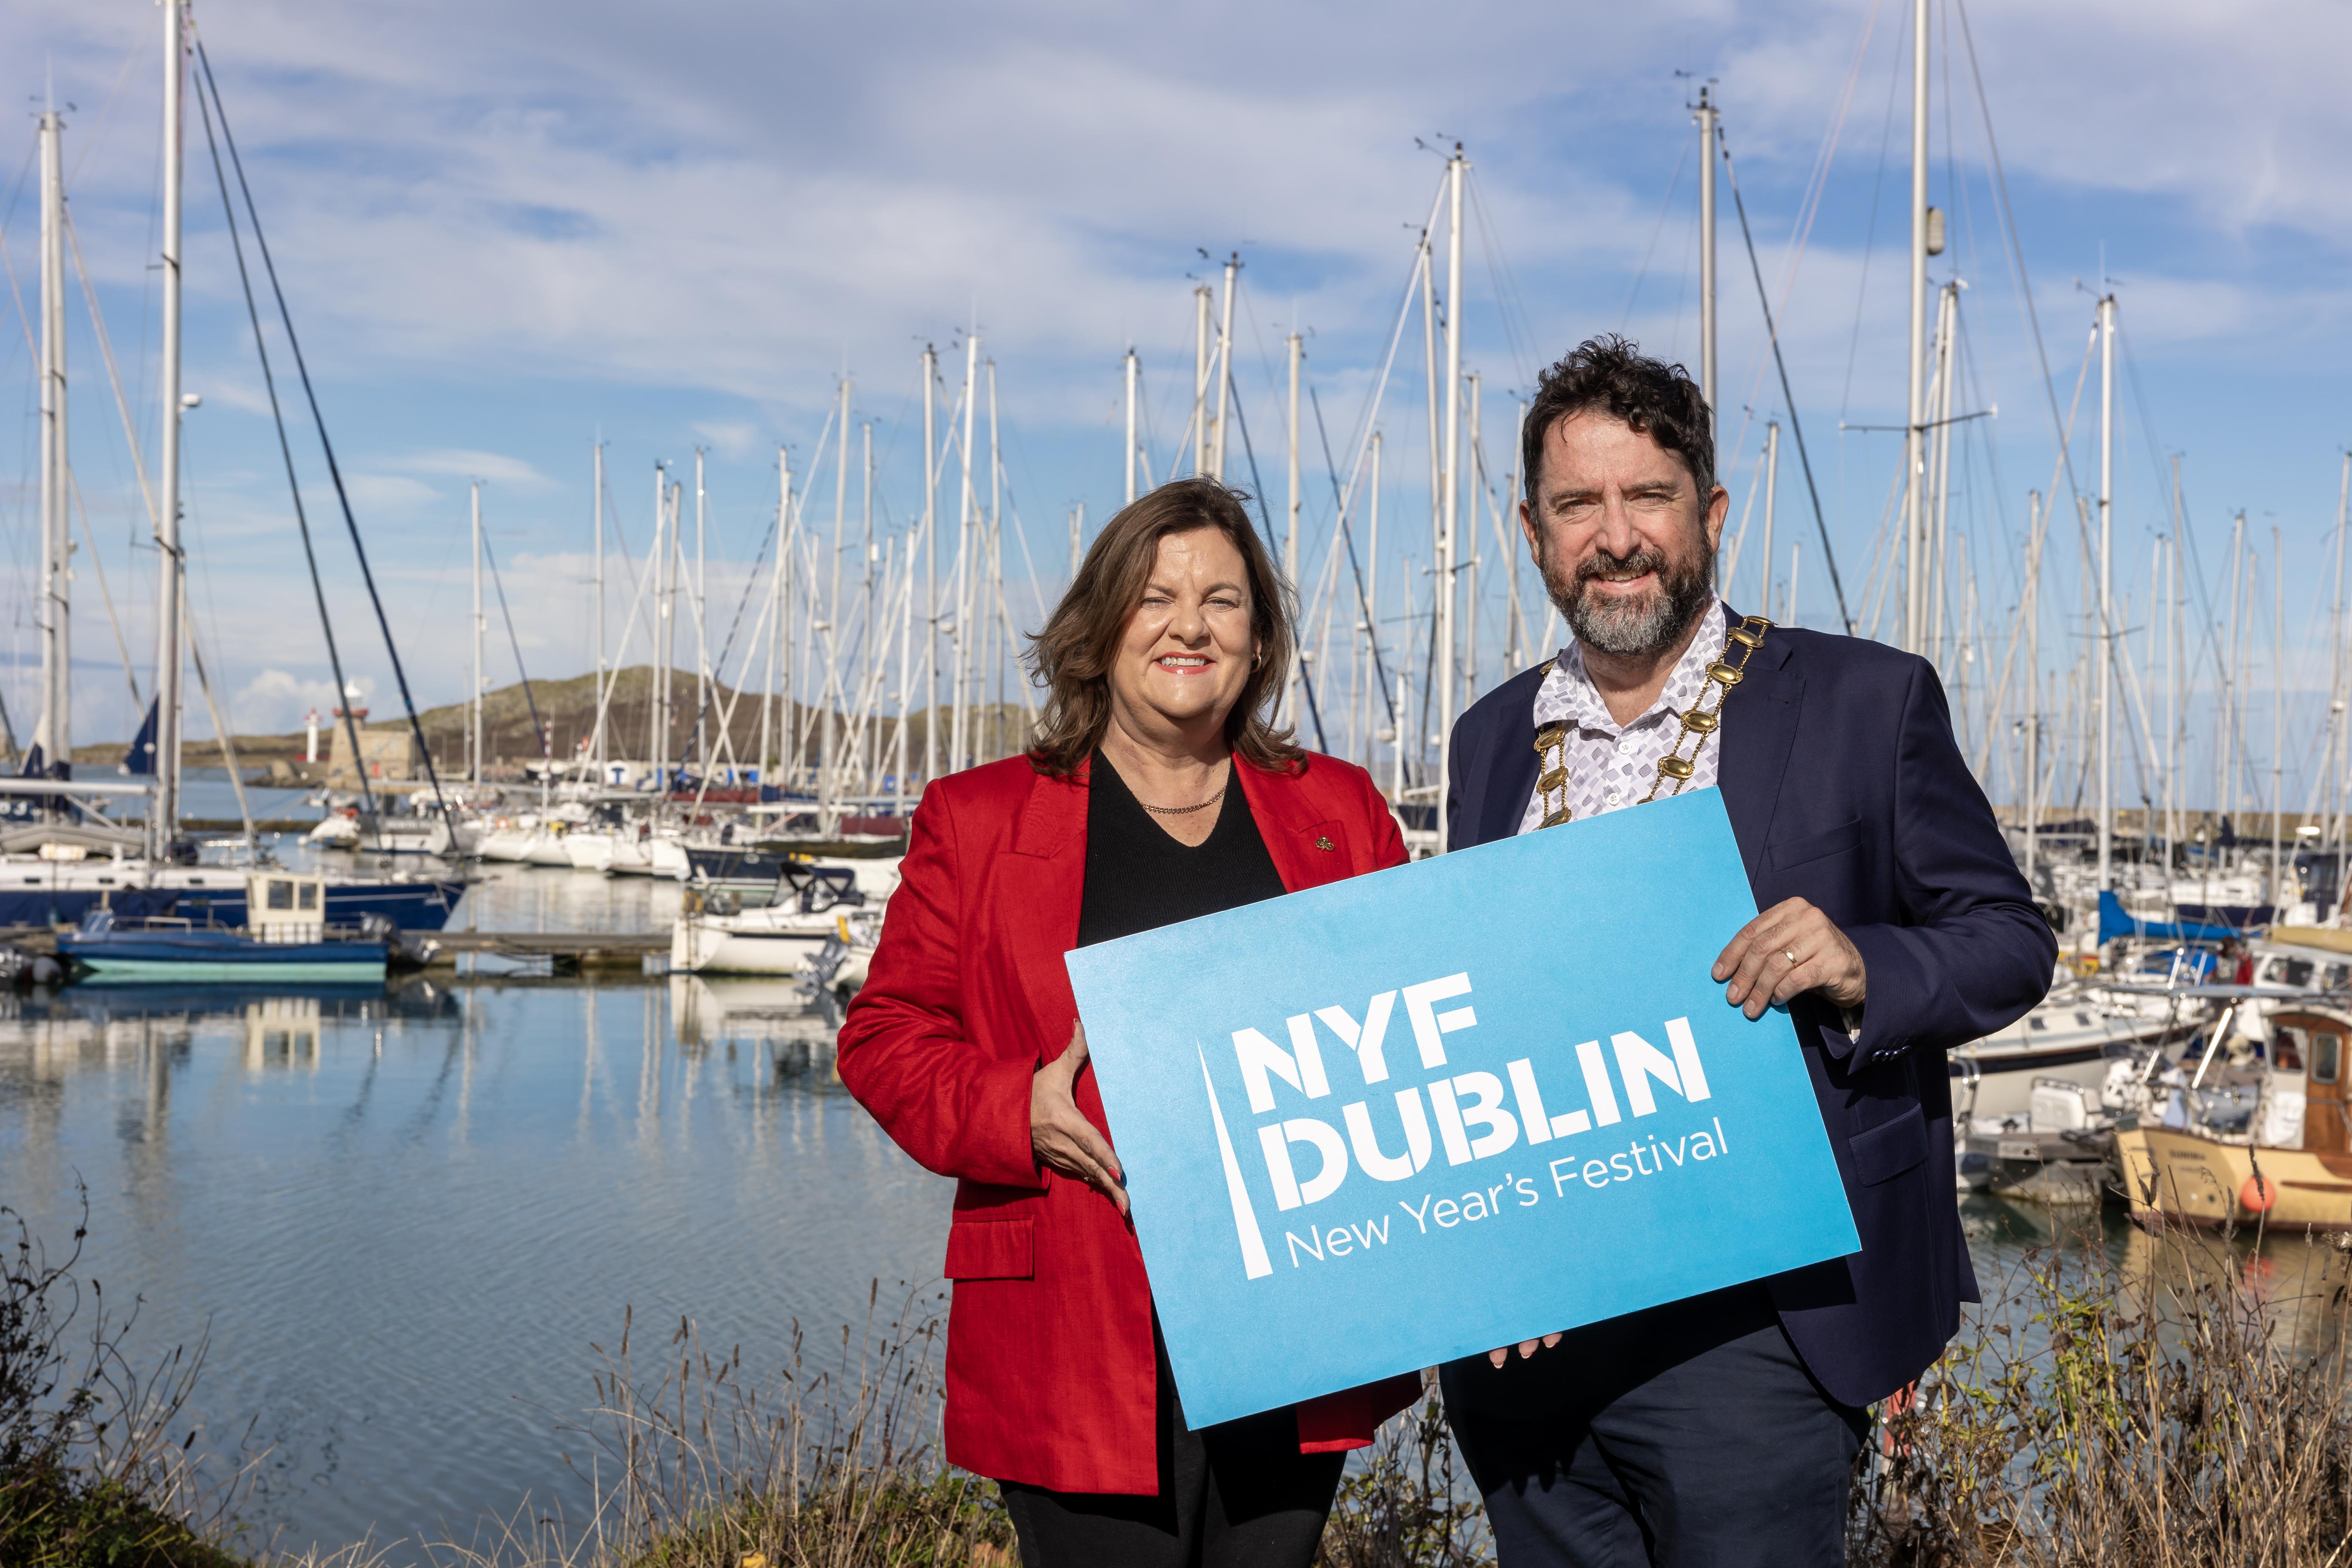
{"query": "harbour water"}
(405, 1219)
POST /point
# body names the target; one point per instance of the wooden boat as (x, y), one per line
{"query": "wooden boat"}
(2264, 1139)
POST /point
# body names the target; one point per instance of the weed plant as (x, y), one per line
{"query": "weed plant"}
(88, 1475)
(2183, 1406)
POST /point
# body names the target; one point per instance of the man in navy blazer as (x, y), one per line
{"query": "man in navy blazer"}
(1895, 925)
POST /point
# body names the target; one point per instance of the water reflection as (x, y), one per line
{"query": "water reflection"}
(2290, 1284)
(405, 1216)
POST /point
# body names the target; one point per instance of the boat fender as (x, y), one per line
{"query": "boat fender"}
(2258, 1195)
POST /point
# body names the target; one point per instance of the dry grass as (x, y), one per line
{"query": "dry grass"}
(88, 1473)
(2182, 1408)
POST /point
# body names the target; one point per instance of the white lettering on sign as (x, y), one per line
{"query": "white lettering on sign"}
(1289, 1192)
(1471, 1115)
(1383, 1167)
(1429, 1026)
(1260, 1056)
(1364, 1039)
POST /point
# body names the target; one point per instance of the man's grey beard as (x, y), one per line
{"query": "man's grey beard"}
(1655, 621)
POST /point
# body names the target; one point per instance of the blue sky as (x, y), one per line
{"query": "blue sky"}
(508, 229)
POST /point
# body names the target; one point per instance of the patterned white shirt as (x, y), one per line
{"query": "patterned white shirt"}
(1610, 766)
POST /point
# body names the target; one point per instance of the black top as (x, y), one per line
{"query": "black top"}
(1139, 879)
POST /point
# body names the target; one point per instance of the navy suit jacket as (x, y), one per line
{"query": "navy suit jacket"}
(1844, 787)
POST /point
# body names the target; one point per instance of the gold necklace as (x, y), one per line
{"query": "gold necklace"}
(1551, 740)
(1186, 810)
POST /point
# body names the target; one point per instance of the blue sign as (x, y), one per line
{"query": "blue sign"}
(1412, 1116)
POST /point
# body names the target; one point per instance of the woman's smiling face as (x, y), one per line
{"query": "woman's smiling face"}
(1191, 639)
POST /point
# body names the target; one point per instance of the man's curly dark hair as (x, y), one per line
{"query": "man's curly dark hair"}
(1613, 376)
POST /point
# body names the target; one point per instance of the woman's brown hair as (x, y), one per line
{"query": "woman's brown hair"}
(1073, 655)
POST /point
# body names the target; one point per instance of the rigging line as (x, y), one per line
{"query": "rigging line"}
(131, 57)
(2017, 251)
(1817, 186)
(334, 469)
(1642, 271)
(1795, 426)
(1518, 336)
(294, 485)
(105, 595)
(1371, 627)
(1306, 676)
(1870, 228)
(1370, 416)
(743, 676)
(113, 378)
(546, 743)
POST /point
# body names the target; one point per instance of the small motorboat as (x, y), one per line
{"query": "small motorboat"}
(285, 940)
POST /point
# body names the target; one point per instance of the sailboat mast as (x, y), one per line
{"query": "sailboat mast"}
(2278, 723)
(660, 670)
(168, 561)
(701, 623)
(2031, 793)
(931, 575)
(1771, 492)
(474, 701)
(596, 525)
(2336, 713)
(1130, 428)
(1297, 346)
(959, 635)
(1200, 436)
(56, 735)
(1225, 364)
(1914, 384)
(1456, 168)
(2107, 590)
(1706, 116)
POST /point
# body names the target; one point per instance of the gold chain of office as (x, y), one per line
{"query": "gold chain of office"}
(1702, 720)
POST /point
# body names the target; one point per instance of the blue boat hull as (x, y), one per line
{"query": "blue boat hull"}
(199, 957)
(410, 906)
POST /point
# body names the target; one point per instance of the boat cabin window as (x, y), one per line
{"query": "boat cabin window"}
(2082, 1020)
(2334, 976)
(281, 894)
(2287, 1050)
(2037, 1023)
(2296, 972)
(309, 895)
(2326, 1051)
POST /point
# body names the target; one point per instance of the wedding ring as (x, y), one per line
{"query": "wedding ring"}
(1790, 956)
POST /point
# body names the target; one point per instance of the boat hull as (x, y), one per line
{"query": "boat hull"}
(220, 957)
(2172, 1175)
(705, 945)
(421, 905)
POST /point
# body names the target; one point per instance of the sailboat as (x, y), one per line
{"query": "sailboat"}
(67, 856)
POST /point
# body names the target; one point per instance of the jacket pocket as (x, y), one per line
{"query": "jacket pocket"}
(992, 1249)
(1816, 845)
(1889, 1148)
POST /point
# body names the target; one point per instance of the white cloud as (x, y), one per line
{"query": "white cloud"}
(490, 467)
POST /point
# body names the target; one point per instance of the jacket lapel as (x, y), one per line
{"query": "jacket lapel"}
(1044, 883)
(1511, 769)
(1759, 727)
(1308, 848)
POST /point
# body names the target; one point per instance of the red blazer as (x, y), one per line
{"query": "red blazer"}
(1050, 1373)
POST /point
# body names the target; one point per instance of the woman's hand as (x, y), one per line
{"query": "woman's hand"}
(1527, 1348)
(1059, 1133)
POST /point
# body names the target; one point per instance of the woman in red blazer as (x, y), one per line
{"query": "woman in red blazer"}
(965, 1045)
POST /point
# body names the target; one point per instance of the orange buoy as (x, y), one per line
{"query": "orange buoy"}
(2258, 1195)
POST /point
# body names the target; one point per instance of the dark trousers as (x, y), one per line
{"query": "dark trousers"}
(1235, 1495)
(1689, 1436)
